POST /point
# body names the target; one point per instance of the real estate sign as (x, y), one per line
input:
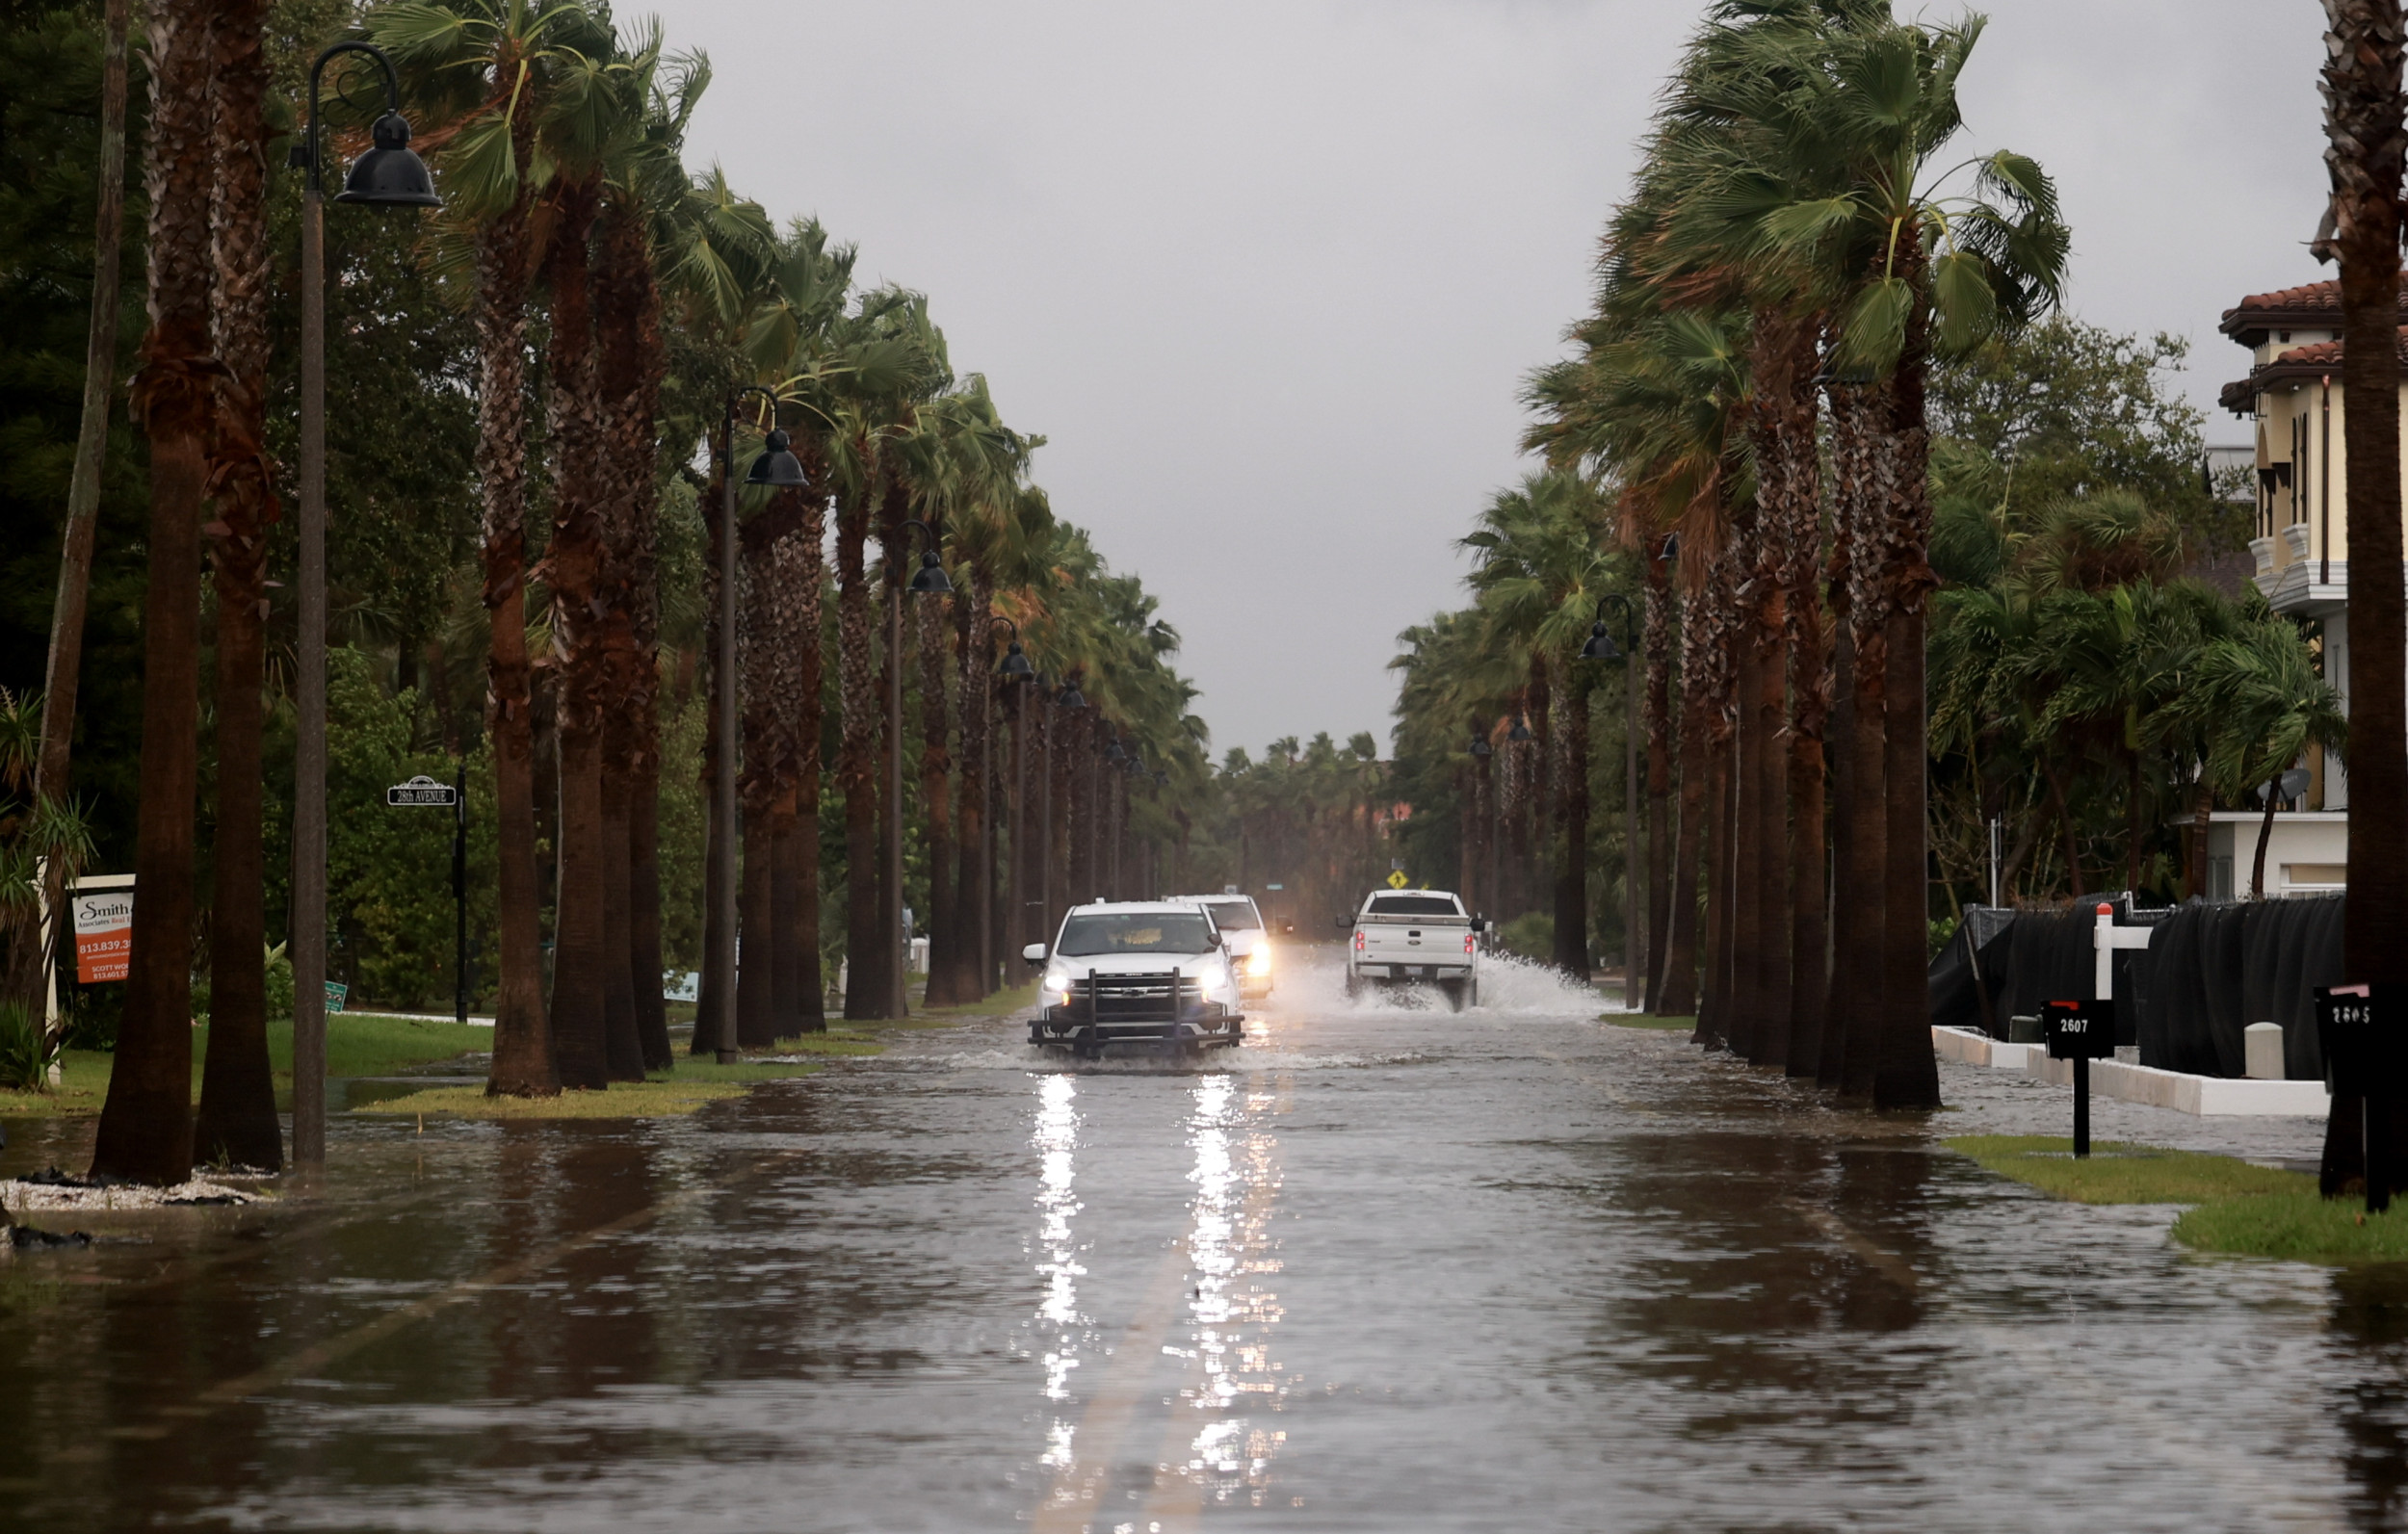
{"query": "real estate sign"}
(104, 927)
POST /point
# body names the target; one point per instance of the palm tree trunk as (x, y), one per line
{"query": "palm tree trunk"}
(945, 911)
(29, 958)
(1743, 1022)
(1571, 891)
(1908, 1075)
(632, 359)
(1656, 646)
(622, 1036)
(2363, 107)
(589, 1054)
(756, 974)
(803, 571)
(710, 1005)
(1770, 1043)
(785, 927)
(643, 907)
(1840, 988)
(1678, 996)
(867, 981)
(522, 1037)
(146, 1129)
(977, 877)
(236, 1121)
(2257, 865)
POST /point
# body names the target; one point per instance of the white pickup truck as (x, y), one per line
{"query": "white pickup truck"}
(1402, 937)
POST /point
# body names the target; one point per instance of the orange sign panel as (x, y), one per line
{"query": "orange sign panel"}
(104, 935)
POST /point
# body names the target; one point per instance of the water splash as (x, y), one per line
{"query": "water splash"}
(1508, 987)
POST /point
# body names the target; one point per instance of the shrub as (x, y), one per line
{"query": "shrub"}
(26, 1049)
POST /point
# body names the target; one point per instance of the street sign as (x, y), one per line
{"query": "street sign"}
(422, 790)
(2080, 1031)
(1397, 880)
(338, 993)
(1274, 886)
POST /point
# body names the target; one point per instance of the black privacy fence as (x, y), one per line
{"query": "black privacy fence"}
(2209, 972)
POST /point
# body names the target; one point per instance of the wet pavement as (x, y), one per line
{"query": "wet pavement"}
(1383, 1269)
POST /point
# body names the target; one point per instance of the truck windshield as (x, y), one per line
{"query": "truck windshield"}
(1235, 916)
(1413, 905)
(1135, 933)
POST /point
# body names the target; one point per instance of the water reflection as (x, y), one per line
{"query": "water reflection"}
(1055, 1140)
(2369, 1395)
(1233, 1311)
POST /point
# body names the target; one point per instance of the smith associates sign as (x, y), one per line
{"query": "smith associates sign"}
(103, 908)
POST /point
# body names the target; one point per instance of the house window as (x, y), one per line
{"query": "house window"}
(2316, 875)
(2219, 878)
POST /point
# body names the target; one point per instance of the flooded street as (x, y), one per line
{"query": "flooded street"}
(1383, 1269)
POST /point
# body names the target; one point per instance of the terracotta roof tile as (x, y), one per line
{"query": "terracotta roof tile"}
(2310, 361)
(2311, 303)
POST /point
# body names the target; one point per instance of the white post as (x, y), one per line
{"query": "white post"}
(2103, 940)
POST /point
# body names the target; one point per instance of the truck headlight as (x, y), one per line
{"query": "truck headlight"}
(1258, 962)
(1056, 988)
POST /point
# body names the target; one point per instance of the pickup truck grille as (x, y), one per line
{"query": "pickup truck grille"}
(1106, 1000)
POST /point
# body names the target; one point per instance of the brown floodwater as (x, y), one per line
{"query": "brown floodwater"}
(1384, 1268)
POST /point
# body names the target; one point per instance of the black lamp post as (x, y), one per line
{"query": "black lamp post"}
(390, 175)
(776, 466)
(1601, 647)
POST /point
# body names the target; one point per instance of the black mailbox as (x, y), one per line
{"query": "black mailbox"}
(2079, 1030)
(2358, 1031)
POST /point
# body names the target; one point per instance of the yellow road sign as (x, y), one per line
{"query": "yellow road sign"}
(1397, 880)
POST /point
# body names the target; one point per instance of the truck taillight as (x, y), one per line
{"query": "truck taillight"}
(1467, 941)
(1358, 942)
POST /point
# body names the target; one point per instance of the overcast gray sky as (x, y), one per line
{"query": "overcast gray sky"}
(1268, 274)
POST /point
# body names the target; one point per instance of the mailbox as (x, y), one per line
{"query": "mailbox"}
(2079, 1030)
(2357, 1032)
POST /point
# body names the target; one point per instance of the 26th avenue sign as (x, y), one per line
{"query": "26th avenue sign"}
(422, 790)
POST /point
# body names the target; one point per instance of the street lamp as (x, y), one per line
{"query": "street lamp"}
(390, 175)
(1601, 647)
(777, 467)
(929, 581)
(1521, 730)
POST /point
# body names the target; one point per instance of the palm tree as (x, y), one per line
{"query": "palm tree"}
(2269, 708)
(237, 1120)
(494, 71)
(2363, 104)
(1540, 572)
(145, 1131)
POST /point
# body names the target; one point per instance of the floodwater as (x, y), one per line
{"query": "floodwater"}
(1385, 1268)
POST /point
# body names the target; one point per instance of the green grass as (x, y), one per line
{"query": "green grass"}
(1001, 1003)
(1663, 1025)
(2118, 1173)
(355, 1045)
(2251, 1211)
(2300, 1226)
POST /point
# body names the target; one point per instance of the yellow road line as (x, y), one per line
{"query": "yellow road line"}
(1079, 1487)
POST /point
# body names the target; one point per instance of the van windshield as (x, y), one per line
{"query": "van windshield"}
(1135, 933)
(1235, 916)
(1413, 905)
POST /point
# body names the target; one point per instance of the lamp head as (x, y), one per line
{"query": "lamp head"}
(1071, 697)
(1481, 747)
(1521, 730)
(390, 175)
(1600, 645)
(931, 579)
(777, 464)
(1016, 666)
